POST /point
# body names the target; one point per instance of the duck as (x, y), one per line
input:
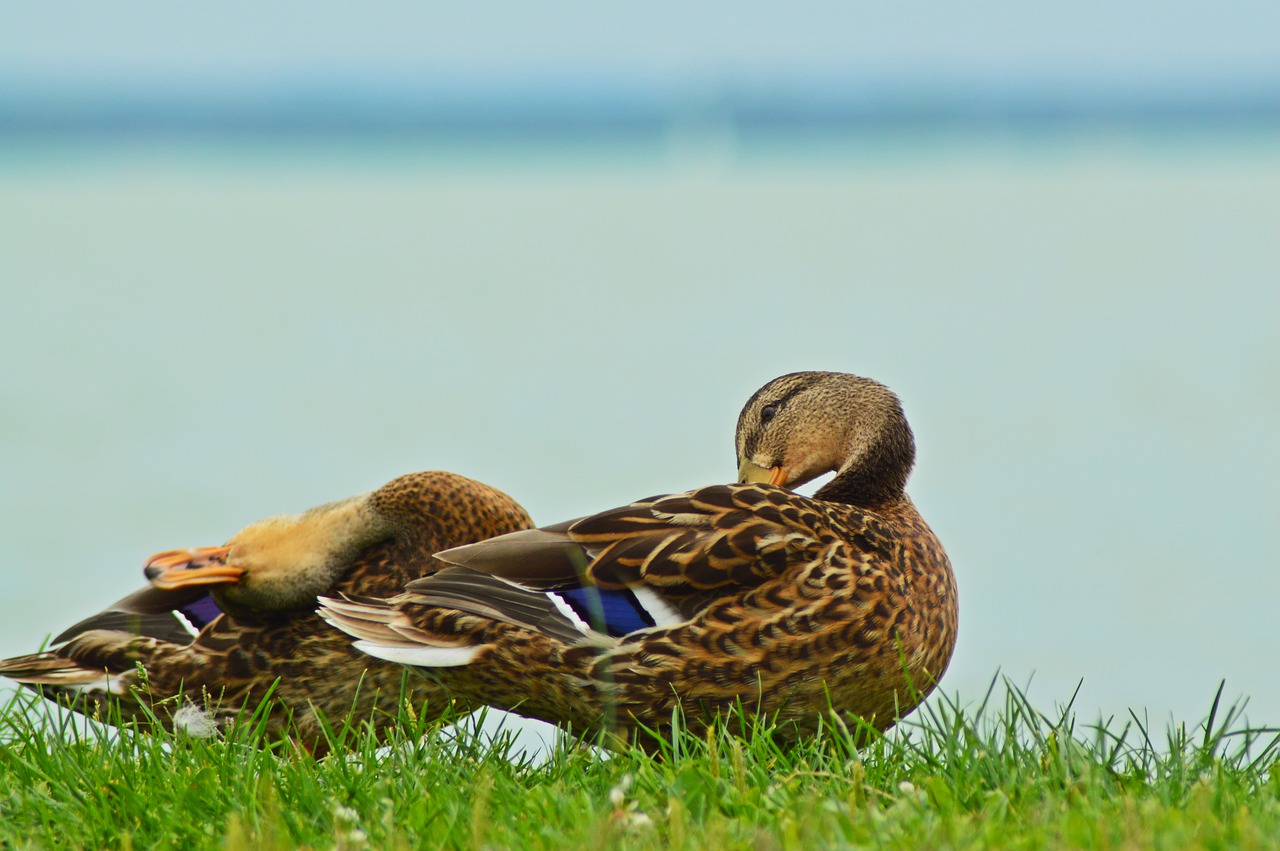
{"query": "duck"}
(800, 610)
(218, 630)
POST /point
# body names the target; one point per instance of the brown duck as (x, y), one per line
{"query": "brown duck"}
(221, 627)
(729, 595)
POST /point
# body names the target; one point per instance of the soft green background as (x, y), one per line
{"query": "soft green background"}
(1082, 327)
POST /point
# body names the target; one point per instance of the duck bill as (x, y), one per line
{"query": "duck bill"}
(752, 473)
(185, 568)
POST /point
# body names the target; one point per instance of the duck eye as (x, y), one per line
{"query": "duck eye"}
(768, 412)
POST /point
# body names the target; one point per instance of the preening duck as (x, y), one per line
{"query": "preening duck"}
(732, 595)
(220, 627)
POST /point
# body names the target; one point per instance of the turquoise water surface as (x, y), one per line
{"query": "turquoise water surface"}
(1083, 329)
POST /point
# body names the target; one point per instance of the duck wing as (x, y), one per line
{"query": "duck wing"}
(175, 616)
(654, 562)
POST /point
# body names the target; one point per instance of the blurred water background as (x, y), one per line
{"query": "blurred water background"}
(224, 301)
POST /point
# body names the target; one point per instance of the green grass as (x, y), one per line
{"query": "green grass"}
(998, 774)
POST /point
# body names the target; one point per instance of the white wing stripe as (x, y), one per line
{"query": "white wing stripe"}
(422, 656)
(659, 609)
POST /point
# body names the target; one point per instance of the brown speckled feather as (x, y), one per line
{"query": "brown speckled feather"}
(236, 659)
(837, 614)
(785, 604)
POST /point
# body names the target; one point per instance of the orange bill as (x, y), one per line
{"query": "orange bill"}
(197, 566)
(750, 472)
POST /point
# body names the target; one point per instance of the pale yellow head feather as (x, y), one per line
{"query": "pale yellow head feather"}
(288, 560)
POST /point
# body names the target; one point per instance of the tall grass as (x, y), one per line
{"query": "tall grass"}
(996, 774)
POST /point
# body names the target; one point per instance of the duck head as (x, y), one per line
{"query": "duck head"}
(806, 424)
(277, 563)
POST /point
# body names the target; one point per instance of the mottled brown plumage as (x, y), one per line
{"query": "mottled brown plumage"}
(137, 653)
(752, 595)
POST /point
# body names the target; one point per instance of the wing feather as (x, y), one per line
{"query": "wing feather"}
(676, 555)
(148, 612)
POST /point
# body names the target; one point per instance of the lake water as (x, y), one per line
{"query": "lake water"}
(1083, 329)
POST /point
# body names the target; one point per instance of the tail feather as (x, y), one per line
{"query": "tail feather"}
(77, 687)
(472, 592)
(461, 616)
(379, 623)
(384, 632)
(48, 669)
(406, 628)
(368, 621)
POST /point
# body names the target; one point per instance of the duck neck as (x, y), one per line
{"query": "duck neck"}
(876, 475)
(859, 491)
(297, 557)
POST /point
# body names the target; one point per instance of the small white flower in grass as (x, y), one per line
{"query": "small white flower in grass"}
(911, 793)
(627, 815)
(195, 722)
(348, 821)
(618, 794)
(635, 820)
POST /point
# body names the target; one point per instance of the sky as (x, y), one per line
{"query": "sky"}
(237, 43)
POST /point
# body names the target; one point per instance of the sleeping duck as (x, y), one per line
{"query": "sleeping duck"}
(740, 595)
(221, 627)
